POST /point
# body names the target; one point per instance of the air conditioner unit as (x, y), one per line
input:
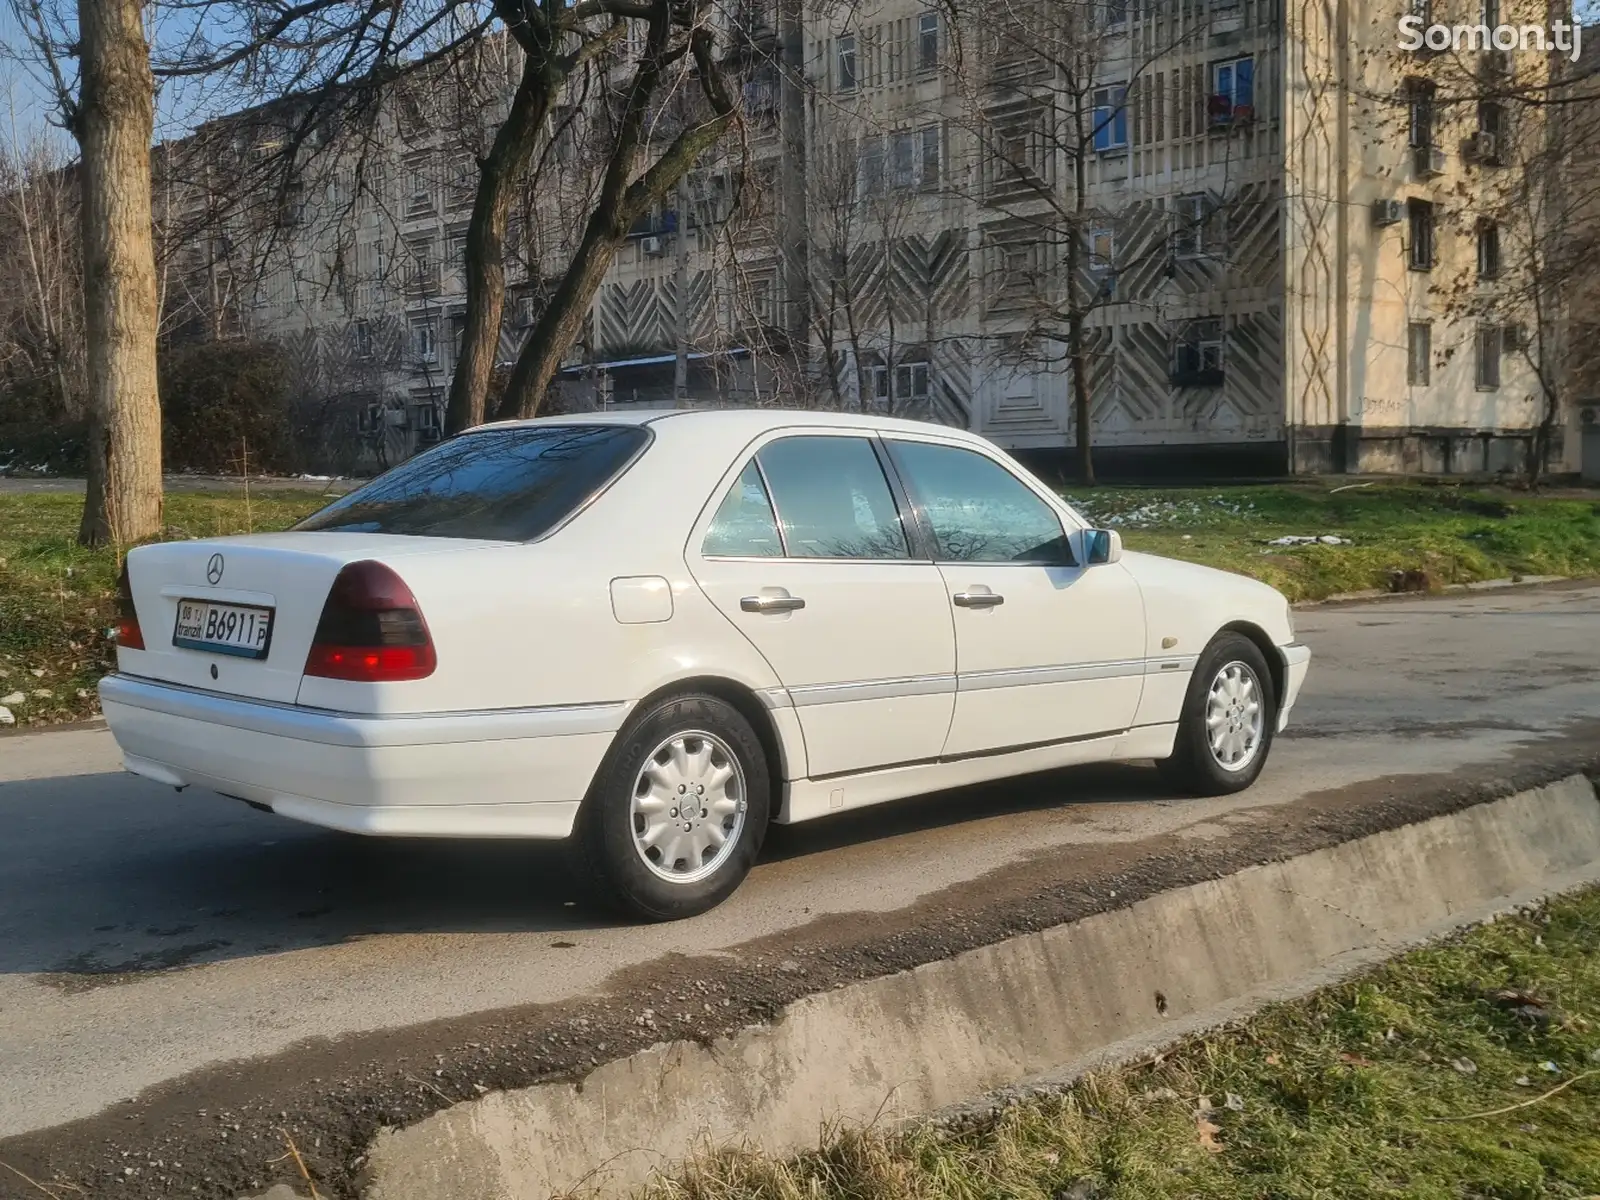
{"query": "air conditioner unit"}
(651, 245)
(1429, 162)
(428, 359)
(1388, 212)
(1484, 147)
(395, 417)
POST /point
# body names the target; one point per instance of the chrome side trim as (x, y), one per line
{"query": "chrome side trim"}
(873, 689)
(360, 729)
(774, 697)
(1159, 666)
(1037, 676)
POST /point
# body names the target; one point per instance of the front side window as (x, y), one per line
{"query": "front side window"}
(509, 485)
(744, 526)
(978, 510)
(832, 499)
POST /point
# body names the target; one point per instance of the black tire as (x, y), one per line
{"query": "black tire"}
(1194, 768)
(614, 864)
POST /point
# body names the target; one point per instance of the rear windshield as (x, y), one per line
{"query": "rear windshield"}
(511, 484)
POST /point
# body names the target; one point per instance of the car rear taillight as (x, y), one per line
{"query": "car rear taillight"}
(127, 634)
(371, 629)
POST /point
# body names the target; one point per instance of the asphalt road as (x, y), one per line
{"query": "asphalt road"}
(145, 935)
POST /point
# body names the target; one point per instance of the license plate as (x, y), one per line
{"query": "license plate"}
(237, 629)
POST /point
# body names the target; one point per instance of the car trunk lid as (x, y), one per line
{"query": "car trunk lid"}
(286, 575)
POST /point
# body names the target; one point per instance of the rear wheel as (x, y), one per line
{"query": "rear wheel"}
(676, 817)
(1229, 715)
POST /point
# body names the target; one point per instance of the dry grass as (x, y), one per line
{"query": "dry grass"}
(1432, 1078)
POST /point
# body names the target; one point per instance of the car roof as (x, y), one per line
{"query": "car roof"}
(748, 422)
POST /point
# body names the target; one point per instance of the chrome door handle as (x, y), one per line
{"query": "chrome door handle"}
(764, 604)
(977, 599)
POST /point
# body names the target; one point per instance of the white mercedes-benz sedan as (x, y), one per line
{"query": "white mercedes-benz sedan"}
(653, 633)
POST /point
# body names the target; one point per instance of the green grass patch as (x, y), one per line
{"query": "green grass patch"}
(1430, 1079)
(57, 599)
(1440, 535)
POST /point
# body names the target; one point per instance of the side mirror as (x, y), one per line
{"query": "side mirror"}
(1101, 546)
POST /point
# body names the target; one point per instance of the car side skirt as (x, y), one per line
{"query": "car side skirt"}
(808, 799)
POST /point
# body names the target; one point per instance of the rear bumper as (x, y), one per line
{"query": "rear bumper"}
(1296, 662)
(505, 773)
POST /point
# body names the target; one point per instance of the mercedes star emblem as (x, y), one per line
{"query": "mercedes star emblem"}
(214, 570)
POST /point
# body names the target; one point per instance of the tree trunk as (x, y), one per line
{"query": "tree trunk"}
(113, 124)
(562, 320)
(485, 267)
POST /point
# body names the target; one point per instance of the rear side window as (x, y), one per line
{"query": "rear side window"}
(832, 499)
(511, 484)
(744, 526)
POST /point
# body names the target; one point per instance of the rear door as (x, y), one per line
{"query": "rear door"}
(1047, 650)
(806, 553)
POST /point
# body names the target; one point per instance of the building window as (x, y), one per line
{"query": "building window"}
(761, 305)
(928, 41)
(1420, 112)
(1110, 118)
(369, 417)
(870, 173)
(1116, 13)
(363, 339)
(425, 342)
(932, 151)
(911, 381)
(845, 60)
(1197, 359)
(1419, 215)
(902, 160)
(1488, 250)
(1488, 374)
(1102, 250)
(1232, 88)
(1419, 353)
(1189, 218)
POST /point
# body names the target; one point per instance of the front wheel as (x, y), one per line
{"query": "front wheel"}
(1226, 727)
(678, 811)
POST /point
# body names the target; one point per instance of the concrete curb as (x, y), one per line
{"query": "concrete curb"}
(1038, 1007)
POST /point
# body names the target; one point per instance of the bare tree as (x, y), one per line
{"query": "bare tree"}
(1044, 116)
(680, 53)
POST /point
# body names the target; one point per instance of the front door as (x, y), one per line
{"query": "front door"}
(808, 556)
(1047, 649)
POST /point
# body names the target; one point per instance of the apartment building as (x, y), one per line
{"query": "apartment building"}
(1274, 233)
